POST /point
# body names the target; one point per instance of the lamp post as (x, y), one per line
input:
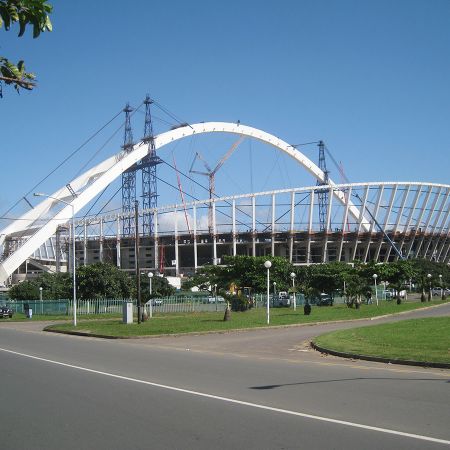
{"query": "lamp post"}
(268, 265)
(375, 276)
(40, 194)
(150, 276)
(440, 284)
(274, 293)
(215, 294)
(429, 286)
(293, 289)
(40, 298)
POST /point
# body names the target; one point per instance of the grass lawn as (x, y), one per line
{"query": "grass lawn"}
(417, 339)
(172, 323)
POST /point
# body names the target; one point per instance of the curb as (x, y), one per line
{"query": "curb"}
(82, 333)
(405, 362)
(234, 330)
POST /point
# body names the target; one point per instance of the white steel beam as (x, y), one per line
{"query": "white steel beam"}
(359, 218)
(428, 220)
(372, 224)
(419, 221)
(344, 223)
(386, 220)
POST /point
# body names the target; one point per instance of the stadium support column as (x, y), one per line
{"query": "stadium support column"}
(291, 228)
(69, 252)
(128, 178)
(118, 243)
(155, 235)
(233, 216)
(253, 226)
(149, 180)
(326, 230)
(177, 262)
(101, 241)
(272, 227)
(310, 226)
(85, 245)
(214, 232)
(58, 249)
(194, 212)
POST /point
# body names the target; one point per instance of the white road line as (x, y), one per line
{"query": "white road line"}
(234, 401)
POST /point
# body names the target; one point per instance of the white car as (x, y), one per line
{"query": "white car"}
(213, 299)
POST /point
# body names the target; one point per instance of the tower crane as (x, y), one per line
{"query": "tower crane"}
(211, 174)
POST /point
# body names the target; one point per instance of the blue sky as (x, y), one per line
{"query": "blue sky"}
(370, 78)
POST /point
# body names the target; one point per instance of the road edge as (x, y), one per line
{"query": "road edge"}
(405, 362)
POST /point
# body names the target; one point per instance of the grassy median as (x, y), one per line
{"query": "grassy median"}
(173, 323)
(416, 339)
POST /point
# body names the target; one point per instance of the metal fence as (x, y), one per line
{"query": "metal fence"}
(64, 307)
(179, 304)
(175, 304)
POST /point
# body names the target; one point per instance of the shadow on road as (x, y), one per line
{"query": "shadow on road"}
(273, 386)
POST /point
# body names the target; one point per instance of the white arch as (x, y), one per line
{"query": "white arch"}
(93, 181)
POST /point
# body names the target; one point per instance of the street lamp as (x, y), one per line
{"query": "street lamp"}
(429, 282)
(440, 284)
(150, 276)
(215, 294)
(268, 265)
(375, 276)
(40, 298)
(293, 289)
(274, 293)
(40, 194)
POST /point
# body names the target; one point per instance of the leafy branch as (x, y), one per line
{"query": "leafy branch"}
(33, 13)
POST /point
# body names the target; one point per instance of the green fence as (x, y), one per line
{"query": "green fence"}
(175, 304)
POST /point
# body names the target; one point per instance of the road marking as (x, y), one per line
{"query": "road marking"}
(234, 401)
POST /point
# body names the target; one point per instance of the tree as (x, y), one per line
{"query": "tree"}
(25, 12)
(102, 280)
(160, 288)
(54, 286)
(27, 290)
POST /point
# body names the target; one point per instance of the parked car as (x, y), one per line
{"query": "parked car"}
(437, 291)
(155, 302)
(5, 310)
(213, 299)
(323, 300)
(281, 299)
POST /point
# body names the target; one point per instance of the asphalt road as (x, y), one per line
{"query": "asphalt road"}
(261, 389)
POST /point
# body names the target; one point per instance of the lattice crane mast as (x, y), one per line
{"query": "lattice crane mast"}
(322, 195)
(128, 177)
(148, 166)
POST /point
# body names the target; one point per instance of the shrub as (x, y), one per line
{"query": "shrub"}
(239, 303)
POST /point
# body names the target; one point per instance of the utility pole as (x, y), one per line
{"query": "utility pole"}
(136, 253)
(148, 165)
(128, 177)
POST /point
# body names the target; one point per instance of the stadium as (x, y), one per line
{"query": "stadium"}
(321, 222)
